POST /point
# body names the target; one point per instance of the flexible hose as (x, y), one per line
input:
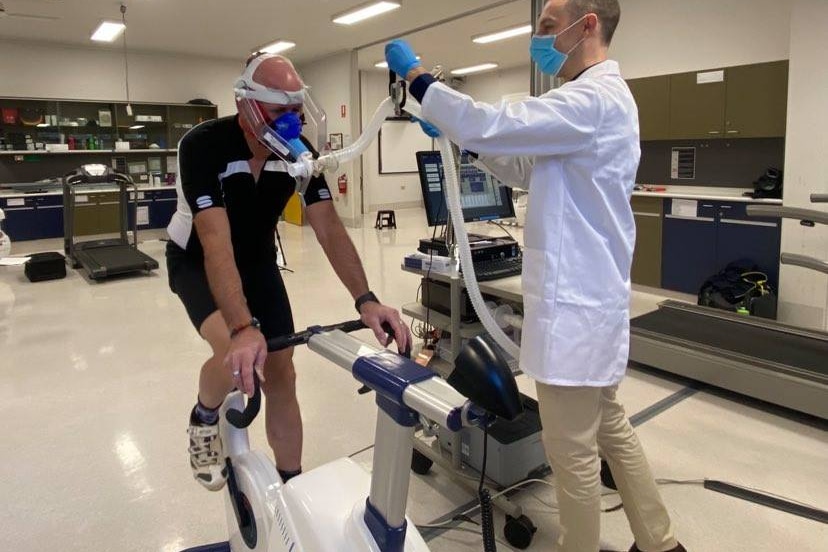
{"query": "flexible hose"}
(330, 162)
(463, 247)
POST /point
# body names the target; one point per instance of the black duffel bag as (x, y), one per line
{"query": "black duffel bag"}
(740, 287)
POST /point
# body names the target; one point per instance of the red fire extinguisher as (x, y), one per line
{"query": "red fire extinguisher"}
(342, 181)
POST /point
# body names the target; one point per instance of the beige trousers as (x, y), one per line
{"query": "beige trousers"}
(578, 424)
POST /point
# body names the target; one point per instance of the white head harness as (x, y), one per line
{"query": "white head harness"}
(247, 88)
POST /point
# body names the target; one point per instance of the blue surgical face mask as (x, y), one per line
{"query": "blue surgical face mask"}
(543, 51)
(288, 125)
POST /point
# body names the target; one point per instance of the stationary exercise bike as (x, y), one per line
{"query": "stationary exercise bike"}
(339, 507)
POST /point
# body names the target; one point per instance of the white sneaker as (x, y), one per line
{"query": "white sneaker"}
(206, 458)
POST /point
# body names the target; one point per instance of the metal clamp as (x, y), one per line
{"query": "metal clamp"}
(396, 89)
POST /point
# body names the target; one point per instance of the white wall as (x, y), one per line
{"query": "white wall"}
(47, 71)
(492, 86)
(332, 84)
(658, 37)
(803, 293)
(383, 191)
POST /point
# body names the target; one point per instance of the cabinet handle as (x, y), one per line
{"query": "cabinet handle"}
(641, 214)
(50, 207)
(109, 203)
(749, 223)
(697, 219)
(713, 132)
(706, 205)
(733, 132)
(726, 206)
(167, 199)
(18, 208)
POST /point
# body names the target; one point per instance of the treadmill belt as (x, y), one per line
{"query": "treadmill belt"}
(108, 260)
(763, 343)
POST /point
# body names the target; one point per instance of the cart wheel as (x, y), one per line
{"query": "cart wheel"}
(420, 463)
(519, 531)
(606, 476)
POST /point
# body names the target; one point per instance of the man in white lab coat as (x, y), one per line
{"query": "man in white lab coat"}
(576, 149)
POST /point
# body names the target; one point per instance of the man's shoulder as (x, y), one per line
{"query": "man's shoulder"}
(209, 132)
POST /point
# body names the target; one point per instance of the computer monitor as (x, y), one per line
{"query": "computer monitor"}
(482, 196)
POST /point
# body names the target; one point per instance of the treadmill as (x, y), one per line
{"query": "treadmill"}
(760, 358)
(102, 258)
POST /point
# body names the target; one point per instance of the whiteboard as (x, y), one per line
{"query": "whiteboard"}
(399, 140)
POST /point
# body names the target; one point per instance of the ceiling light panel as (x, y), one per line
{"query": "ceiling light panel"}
(277, 47)
(502, 35)
(108, 31)
(365, 11)
(474, 69)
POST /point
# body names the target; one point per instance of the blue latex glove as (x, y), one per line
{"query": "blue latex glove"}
(400, 57)
(430, 130)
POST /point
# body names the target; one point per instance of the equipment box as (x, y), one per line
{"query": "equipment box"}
(515, 448)
(45, 266)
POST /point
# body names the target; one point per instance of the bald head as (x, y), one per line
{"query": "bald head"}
(276, 72)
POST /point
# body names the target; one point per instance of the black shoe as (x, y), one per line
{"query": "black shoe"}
(678, 548)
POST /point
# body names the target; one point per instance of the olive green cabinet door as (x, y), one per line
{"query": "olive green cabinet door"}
(652, 95)
(646, 267)
(757, 100)
(109, 214)
(696, 110)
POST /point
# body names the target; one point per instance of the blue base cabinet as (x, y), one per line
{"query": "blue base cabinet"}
(697, 247)
(689, 248)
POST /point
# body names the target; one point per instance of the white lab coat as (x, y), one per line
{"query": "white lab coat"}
(576, 149)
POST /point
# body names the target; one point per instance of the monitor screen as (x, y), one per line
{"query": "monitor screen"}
(482, 196)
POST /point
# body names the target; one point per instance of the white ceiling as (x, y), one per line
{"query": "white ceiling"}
(230, 30)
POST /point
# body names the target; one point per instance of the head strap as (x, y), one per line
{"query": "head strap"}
(248, 88)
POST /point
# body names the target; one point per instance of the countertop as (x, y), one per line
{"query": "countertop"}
(87, 189)
(704, 192)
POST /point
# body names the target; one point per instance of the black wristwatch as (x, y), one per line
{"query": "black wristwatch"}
(365, 298)
(254, 322)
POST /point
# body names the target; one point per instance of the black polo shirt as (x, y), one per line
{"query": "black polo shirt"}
(213, 171)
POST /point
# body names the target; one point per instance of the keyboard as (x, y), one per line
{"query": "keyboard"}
(498, 268)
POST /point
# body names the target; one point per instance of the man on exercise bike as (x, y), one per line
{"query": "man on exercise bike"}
(221, 261)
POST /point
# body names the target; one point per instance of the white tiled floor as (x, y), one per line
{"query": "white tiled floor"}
(96, 381)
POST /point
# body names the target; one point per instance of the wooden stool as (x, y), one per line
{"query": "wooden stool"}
(385, 219)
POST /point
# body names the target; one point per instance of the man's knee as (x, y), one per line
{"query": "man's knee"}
(280, 375)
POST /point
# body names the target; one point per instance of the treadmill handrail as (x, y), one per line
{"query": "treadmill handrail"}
(819, 198)
(798, 213)
(805, 262)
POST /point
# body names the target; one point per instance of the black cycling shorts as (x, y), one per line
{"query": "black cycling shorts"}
(262, 284)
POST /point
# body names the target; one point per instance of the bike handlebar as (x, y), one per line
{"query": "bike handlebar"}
(243, 419)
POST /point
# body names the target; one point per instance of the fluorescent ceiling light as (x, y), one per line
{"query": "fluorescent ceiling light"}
(136, 127)
(474, 69)
(365, 11)
(384, 64)
(277, 47)
(502, 35)
(108, 31)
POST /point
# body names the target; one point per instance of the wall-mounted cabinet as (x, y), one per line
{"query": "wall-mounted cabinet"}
(757, 100)
(747, 101)
(652, 95)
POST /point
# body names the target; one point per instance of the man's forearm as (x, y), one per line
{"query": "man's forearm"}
(225, 283)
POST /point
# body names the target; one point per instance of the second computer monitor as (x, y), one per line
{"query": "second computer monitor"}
(482, 196)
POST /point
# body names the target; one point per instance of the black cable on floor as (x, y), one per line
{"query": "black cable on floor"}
(486, 509)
